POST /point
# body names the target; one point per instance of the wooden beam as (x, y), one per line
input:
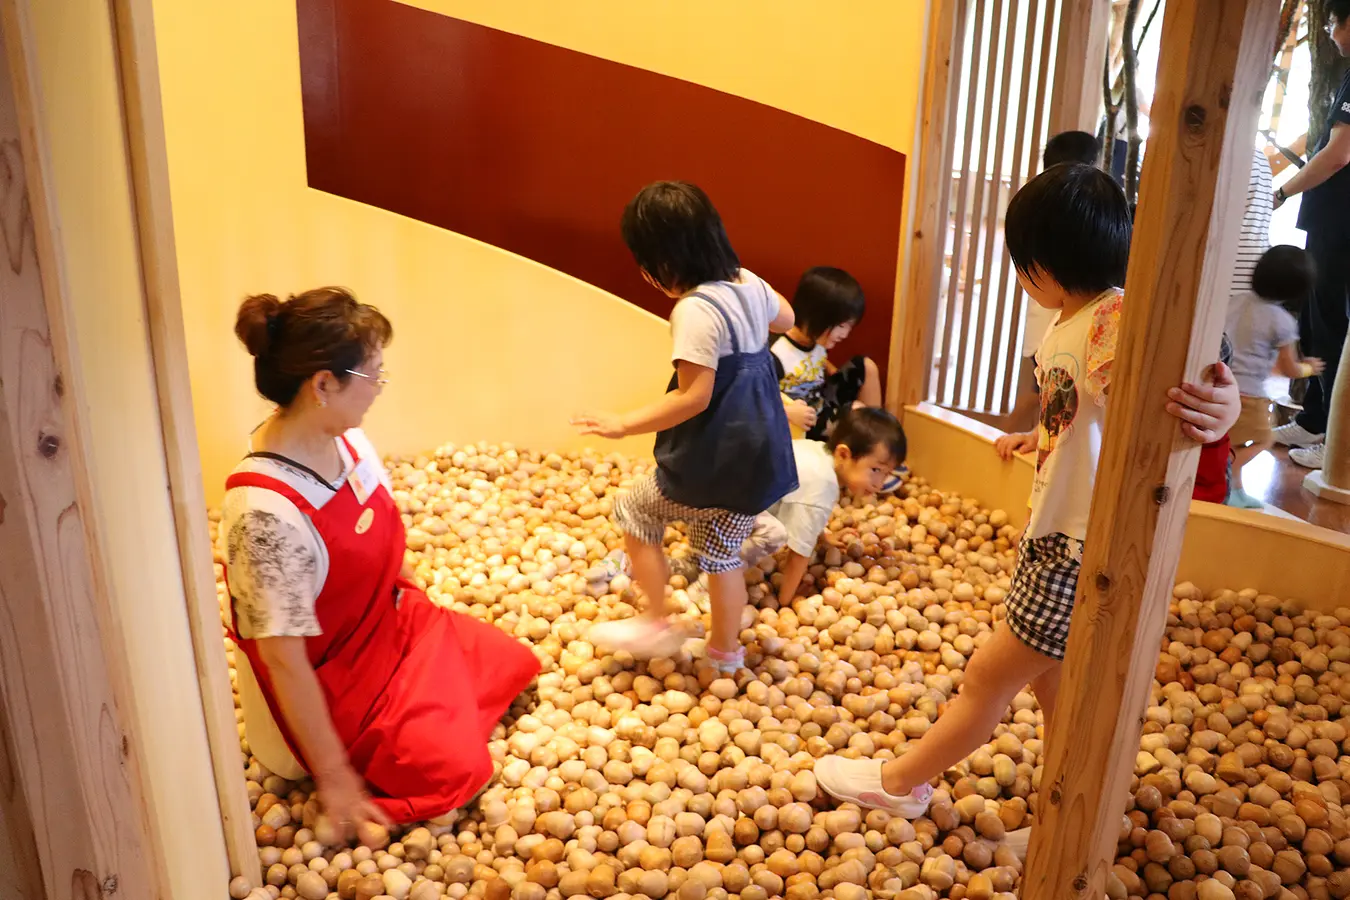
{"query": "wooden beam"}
(1216, 56)
(64, 686)
(1076, 102)
(147, 149)
(916, 308)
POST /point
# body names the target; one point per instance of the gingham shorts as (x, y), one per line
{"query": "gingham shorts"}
(1040, 602)
(715, 534)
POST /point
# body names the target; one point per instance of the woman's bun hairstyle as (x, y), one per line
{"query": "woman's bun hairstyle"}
(255, 324)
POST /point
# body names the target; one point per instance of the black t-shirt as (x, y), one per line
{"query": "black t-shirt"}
(1326, 208)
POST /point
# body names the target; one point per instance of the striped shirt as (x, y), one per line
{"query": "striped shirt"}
(1255, 238)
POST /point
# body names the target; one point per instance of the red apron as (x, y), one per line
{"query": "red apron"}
(414, 690)
(1211, 473)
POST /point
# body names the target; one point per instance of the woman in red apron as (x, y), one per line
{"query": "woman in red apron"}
(386, 699)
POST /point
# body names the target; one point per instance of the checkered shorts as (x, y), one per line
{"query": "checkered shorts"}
(715, 534)
(1043, 586)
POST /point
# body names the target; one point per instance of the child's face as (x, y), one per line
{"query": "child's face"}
(1046, 299)
(835, 335)
(862, 475)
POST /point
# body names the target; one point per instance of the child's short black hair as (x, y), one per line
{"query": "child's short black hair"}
(1072, 147)
(827, 297)
(1285, 274)
(677, 237)
(1070, 223)
(863, 429)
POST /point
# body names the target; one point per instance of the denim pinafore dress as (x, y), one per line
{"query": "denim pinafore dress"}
(737, 453)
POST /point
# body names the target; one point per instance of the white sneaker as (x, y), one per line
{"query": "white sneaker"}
(640, 636)
(1313, 457)
(859, 781)
(1295, 435)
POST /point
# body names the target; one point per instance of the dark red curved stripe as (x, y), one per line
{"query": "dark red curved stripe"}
(536, 149)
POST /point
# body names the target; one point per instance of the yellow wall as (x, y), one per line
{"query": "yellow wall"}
(79, 123)
(487, 345)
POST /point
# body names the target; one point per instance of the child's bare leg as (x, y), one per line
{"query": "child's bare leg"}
(1046, 688)
(652, 572)
(870, 394)
(996, 672)
(726, 592)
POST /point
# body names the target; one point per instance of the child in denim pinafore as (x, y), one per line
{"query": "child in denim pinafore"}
(723, 448)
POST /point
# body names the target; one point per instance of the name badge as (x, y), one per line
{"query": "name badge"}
(364, 480)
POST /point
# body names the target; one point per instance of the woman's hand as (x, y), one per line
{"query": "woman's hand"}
(343, 797)
(1317, 365)
(605, 425)
(1207, 411)
(1009, 445)
(800, 414)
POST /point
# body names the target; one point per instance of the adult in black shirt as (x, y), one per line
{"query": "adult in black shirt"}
(1325, 217)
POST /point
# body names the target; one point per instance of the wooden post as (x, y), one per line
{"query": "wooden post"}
(139, 73)
(1076, 104)
(1332, 481)
(916, 309)
(64, 686)
(1216, 58)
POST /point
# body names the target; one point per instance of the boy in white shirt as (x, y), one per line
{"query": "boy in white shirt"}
(867, 443)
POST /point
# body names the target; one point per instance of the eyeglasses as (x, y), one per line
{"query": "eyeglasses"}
(381, 378)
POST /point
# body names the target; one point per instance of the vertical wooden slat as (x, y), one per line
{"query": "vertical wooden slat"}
(1007, 293)
(977, 224)
(1216, 59)
(1009, 109)
(65, 687)
(146, 147)
(1036, 149)
(913, 338)
(959, 213)
(1076, 103)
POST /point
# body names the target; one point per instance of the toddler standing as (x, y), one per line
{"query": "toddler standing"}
(1264, 331)
(723, 448)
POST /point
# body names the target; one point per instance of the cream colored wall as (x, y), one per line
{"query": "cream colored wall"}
(80, 127)
(855, 66)
(487, 345)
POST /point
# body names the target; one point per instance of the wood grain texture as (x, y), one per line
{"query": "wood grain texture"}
(139, 72)
(1216, 61)
(915, 321)
(64, 693)
(1076, 102)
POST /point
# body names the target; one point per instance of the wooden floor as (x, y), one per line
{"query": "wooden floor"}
(1274, 479)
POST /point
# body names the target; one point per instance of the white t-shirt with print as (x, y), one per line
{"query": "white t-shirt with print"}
(699, 333)
(277, 565)
(805, 513)
(803, 370)
(1073, 369)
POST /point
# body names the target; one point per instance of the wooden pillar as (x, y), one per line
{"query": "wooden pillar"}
(916, 307)
(63, 683)
(1077, 103)
(1215, 61)
(1332, 482)
(144, 117)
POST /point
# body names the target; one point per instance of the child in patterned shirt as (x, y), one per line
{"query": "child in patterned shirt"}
(1068, 232)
